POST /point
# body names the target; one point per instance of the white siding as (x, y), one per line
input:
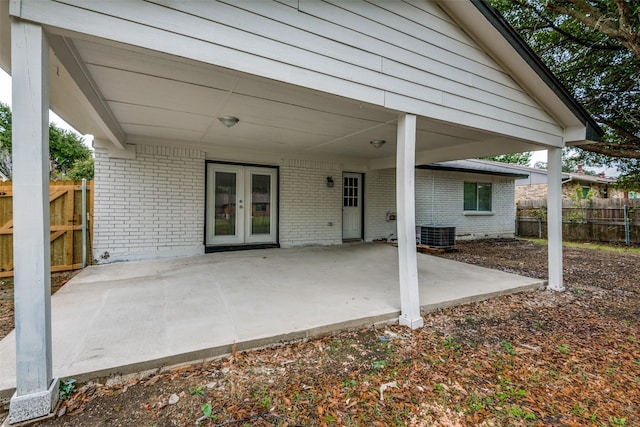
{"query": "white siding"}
(439, 201)
(408, 56)
(150, 207)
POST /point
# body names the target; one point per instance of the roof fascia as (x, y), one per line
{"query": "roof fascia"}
(473, 171)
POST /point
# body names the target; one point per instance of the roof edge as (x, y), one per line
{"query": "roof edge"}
(433, 166)
(593, 131)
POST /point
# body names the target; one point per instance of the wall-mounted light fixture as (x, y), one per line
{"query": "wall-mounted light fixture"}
(330, 182)
(377, 143)
(229, 121)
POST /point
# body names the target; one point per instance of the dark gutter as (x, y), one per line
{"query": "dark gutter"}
(594, 131)
(475, 171)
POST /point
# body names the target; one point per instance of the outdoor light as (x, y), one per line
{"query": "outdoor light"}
(229, 121)
(377, 143)
(329, 181)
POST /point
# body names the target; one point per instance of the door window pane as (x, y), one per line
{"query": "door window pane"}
(260, 204)
(350, 192)
(225, 204)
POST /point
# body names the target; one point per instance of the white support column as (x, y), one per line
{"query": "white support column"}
(554, 217)
(406, 205)
(36, 391)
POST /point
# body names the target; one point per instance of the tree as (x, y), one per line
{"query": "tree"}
(67, 153)
(5, 141)
(522, 159)
(593, 47)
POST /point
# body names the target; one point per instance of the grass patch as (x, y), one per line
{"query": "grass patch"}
(586, 245)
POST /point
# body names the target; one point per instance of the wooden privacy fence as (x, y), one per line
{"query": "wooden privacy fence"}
(599, 220)
(65, 202)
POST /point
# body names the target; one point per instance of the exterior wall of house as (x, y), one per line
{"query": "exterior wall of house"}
(153, 206)
(149, 207)
(310, 212)
(439, 201)
(531, 192)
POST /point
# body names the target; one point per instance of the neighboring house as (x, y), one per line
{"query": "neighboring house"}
(574, 184)
(198, 107)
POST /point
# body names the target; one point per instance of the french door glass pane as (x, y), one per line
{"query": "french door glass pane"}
(225, 204)
(260, 204)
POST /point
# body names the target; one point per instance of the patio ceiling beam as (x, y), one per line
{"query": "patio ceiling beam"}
(36, 391)
(102, 114)
(554, 217)
(406, 206)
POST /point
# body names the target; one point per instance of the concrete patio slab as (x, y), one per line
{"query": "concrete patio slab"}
(128, 317)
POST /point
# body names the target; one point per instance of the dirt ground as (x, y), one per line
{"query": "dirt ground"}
(541, 358)
(7, 321)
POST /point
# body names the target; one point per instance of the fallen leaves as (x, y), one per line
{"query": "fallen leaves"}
(533, 359)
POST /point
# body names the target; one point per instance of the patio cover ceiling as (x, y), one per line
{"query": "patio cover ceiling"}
(154, 97)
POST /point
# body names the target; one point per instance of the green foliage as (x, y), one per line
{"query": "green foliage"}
(5, 127)
(597, 59)
(198, 391)
(522, 159)
(65, 149)
(508, 347)
(69, 158)
(81, 169)
(67, 388)
(571, 159)
(207, 410)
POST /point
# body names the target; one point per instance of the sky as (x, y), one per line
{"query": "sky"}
(5, 96)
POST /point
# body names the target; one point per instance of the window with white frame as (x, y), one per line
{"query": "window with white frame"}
(477, 196)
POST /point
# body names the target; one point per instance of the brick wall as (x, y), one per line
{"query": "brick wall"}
(149, 207)
(153, 206)
(439, 201)
(310, 212)
(380, 200)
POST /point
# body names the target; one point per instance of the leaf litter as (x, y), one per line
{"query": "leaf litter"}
(539, 358)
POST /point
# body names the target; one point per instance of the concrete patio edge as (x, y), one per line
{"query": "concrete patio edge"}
(206, 354)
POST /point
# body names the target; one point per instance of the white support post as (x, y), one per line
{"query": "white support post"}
(406, 205)
(554, 217)
(36, 391)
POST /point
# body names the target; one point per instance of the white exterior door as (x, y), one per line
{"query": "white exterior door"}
(351, 206)
(241, 205)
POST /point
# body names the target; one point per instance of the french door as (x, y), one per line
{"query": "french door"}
(241, 204)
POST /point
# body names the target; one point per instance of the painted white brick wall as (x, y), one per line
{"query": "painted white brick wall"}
(439, 201)
(310, 212)
(149, 207)
(380, 199)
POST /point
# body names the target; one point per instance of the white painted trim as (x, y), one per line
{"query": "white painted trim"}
(67, 54)
(351, 211)
(31, 248)
(406, 205)
(554, 218)
(478, 213)
(128, 151)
